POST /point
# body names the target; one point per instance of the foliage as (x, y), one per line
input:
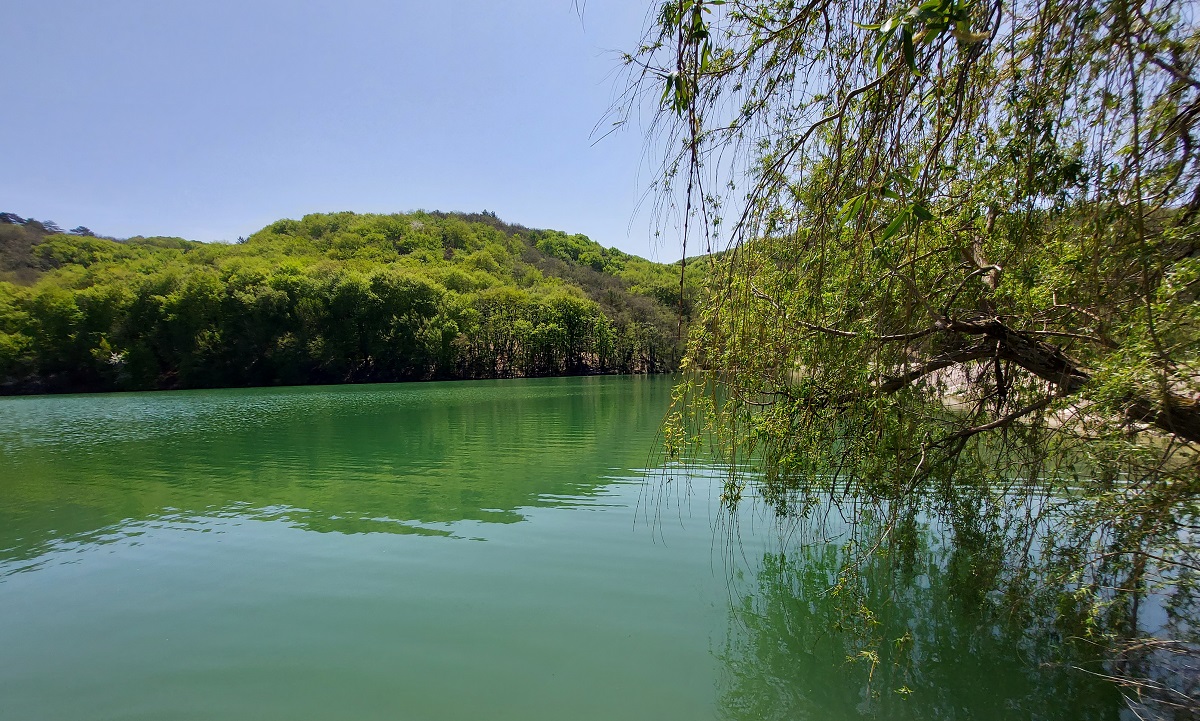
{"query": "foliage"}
(328, 298)
(962, 274)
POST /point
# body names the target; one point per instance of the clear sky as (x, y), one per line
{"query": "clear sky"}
(208, 119)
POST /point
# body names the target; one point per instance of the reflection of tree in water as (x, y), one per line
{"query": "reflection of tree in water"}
(920, 632)
(407, 458)
(959, 600)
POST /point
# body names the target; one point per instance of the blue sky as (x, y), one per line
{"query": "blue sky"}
(210, 119)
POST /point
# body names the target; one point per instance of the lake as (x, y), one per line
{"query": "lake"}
(470, 550)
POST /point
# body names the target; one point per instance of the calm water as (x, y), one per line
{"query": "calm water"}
(435, 551)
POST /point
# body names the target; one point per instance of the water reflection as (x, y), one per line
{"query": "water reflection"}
(185, 543)
(917, 645)
(412, 458)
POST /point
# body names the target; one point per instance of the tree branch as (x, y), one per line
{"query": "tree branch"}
(1002, 422)
(890, 338)
(895, 383)
(1175, 414)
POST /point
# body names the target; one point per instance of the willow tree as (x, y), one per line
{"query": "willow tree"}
(961, 270)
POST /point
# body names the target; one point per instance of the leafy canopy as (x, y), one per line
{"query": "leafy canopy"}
(328, 298)
(962, 269)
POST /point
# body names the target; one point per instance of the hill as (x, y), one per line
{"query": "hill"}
(329, 298)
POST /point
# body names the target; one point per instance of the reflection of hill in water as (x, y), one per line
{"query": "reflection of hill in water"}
(392, 458)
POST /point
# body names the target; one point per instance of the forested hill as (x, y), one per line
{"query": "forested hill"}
(330, 298)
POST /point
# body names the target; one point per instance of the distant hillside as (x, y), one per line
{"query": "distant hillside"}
(329, 298)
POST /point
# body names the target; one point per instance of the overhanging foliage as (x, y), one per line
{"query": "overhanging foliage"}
(963, 271)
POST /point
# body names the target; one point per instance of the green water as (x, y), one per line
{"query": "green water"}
(483, 550)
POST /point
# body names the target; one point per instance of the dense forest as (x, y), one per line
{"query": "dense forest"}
(329, 298)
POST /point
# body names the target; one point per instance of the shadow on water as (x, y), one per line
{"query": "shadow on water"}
(404, 458)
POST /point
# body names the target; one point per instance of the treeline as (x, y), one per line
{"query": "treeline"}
(330, 298)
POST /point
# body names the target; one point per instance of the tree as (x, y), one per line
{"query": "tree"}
(962, 269)
(330, 298)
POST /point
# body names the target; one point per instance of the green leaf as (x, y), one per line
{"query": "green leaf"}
(896, 224)
(852, 207)
(668, 89)
(910, 54)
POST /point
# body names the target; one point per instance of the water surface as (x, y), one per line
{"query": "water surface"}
(474, 550)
